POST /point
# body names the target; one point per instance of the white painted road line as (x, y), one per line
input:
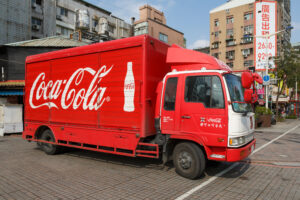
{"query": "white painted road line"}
(263, 146)
(190, 192)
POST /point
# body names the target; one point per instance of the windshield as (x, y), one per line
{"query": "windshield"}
(236, 92)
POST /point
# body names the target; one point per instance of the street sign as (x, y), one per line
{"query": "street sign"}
(266, 79)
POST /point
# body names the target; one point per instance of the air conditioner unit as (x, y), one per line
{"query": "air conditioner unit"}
(58, 17)
(245, 55)
(33, 5)
(36, 27)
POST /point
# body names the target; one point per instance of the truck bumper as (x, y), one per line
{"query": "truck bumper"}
(237, 154)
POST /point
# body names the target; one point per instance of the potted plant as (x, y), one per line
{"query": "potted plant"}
(263, 116)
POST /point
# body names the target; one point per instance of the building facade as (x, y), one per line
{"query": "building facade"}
(232, 31)
(153, 23)
(35, 19)
(99, 21)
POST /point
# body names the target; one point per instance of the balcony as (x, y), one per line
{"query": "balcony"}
(230, 42)
(247, 39)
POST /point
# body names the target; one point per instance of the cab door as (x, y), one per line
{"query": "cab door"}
(203, 110)
(169, 109)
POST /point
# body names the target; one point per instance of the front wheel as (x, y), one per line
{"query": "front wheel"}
(48, 148)
(189, 160)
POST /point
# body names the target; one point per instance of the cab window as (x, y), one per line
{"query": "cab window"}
(170, 93)
(204, 89)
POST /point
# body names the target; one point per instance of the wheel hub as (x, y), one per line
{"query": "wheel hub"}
(185, 160)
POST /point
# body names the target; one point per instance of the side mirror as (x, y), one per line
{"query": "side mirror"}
(257, 78)
(248, 95)
(247, 80)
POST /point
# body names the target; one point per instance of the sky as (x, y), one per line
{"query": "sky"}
(188, 16)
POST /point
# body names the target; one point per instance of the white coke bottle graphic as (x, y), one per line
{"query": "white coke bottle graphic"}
(129, 88)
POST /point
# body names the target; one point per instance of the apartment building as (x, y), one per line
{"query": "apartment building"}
(232, 31)
(24, 20)
(34, 19)
(153, 23)
(98, 21)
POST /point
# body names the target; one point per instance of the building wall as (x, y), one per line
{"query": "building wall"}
(46, 13)
(15, 20)
(118, 28)
(18, 17)
(153, 23)
(238, 34)
(283, 19)
(13, 60)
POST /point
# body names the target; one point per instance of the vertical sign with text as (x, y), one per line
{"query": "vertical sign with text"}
(265, 24)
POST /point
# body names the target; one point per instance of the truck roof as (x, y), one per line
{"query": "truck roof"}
(88, 49)
(174, 72)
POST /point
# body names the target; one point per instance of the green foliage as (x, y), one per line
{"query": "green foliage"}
(280, 119)
(288, 66)
(260, 110)
(288, 70)
(292, 116)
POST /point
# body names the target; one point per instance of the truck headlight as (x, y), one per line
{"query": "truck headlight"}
(237, 141)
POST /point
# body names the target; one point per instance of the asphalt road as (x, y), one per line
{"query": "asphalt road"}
(272, 172)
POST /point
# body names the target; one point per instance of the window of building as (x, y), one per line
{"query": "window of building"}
(204, 89)
(248, 29)
(217, 23)
(230, 42)
(63, 31)
(247, 52)
(216, 34)
(141, 28)
(95, 23)
(163, 37)
(35, 21)
(38, 2)
(246, 40)
(215, 45)
(248, 16)
(248, 63)
(62, 11)
(230, 55)
(229, 20)
(229, 32)
(230, 64)
(216, 55)
(170, 93)
(111, 28)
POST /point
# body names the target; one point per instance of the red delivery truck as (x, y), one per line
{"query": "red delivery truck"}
(140, 97)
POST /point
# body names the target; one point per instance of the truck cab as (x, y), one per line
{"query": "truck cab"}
(203, 114)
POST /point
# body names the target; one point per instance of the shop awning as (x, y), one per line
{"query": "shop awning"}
(11, 92)
(12, 83)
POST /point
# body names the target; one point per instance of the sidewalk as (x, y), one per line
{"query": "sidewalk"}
(280, 127)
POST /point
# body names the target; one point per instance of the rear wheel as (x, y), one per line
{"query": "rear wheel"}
(48, 148)
(189, 160)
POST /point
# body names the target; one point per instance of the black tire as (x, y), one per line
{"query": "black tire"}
(49, 149)
(189, 160)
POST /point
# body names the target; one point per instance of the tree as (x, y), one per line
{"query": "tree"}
(288, 68)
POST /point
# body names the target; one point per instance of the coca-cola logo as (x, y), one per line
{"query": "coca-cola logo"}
(129, 86)
(69, 92)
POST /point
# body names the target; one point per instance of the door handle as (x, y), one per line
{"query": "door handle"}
(186, 117)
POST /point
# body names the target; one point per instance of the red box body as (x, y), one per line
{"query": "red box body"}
(79, 92)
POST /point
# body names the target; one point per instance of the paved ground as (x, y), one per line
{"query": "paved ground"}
(28, 173)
